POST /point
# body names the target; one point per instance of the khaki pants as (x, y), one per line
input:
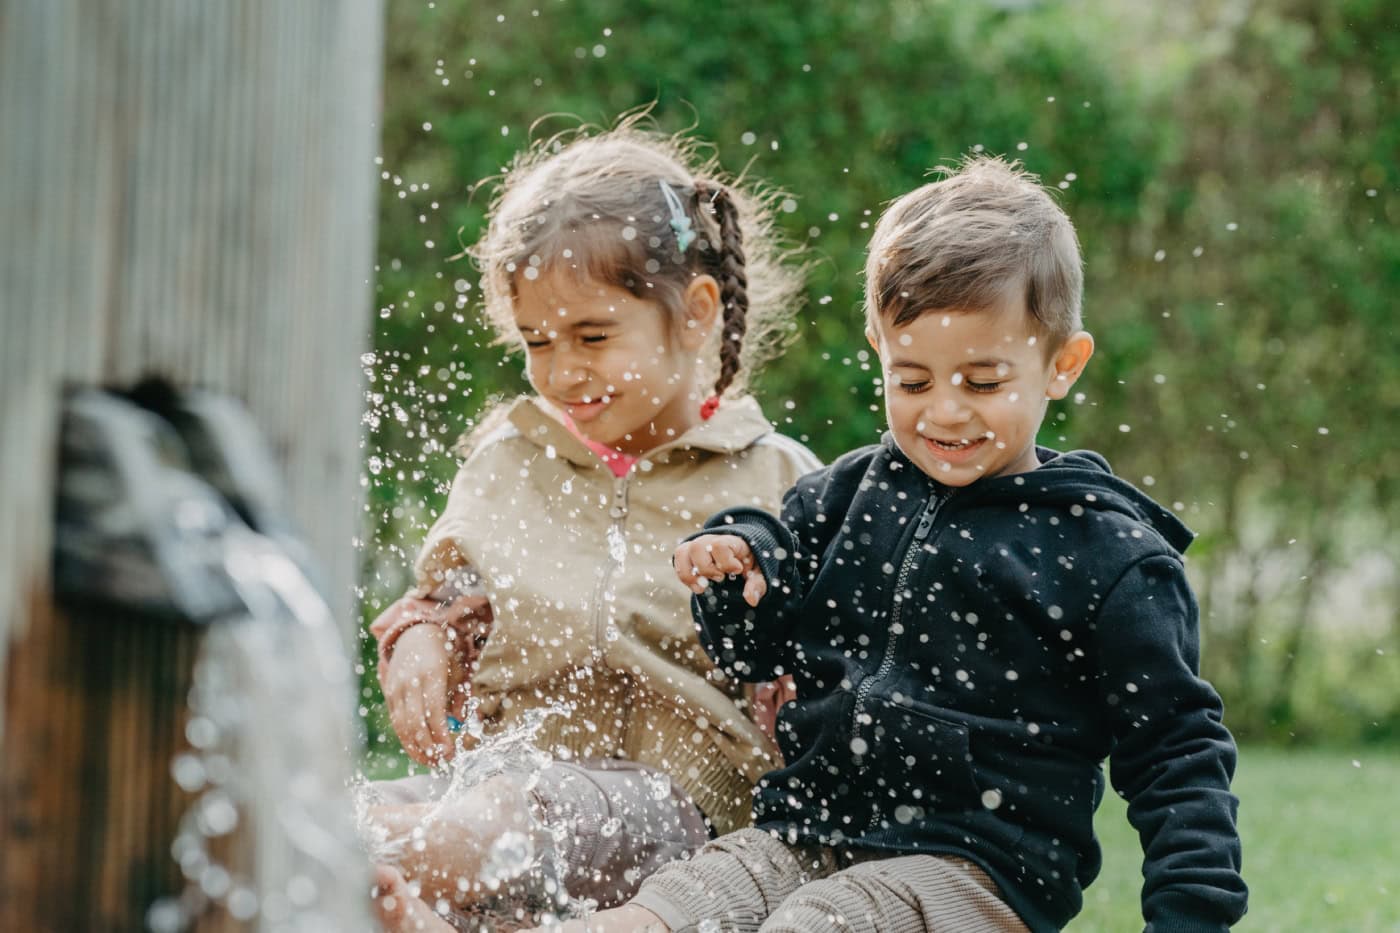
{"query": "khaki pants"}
(750, 881)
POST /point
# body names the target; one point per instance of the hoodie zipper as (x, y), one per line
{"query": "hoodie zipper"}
(617, 553)
(921, 533)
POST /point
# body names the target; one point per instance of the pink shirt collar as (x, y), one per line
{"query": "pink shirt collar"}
(620, 463)
(615, 460)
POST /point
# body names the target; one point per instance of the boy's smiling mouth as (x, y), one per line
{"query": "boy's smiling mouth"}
(954, 451)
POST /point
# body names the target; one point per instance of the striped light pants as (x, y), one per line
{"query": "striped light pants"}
(749, 881)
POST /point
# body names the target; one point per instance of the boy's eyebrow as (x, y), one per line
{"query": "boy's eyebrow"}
(573, 325)
(987, 363)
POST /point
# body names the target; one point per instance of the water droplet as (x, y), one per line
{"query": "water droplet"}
(201, 732)
(243, 904)
(188, 772)
(659, 786)
(165, 916)
(510, 856)
(217, 815)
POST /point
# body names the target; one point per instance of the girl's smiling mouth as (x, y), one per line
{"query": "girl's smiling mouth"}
(588, 408)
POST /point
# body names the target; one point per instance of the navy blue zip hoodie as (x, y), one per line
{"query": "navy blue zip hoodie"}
(966, 659)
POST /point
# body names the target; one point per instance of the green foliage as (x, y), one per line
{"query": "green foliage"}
(1230, 169)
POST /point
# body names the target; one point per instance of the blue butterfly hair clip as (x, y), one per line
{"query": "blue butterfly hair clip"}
(680, 220)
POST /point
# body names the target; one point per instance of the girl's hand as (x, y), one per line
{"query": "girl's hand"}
(714, 557)
(415, 690)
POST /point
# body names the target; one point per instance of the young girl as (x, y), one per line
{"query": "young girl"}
(643, 286)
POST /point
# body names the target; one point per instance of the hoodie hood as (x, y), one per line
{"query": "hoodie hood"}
(736, 425)
(1078, 477)
(1085, 477)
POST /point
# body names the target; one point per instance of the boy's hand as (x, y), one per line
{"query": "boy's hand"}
(767, 699)
(714, 557)
(415, 690)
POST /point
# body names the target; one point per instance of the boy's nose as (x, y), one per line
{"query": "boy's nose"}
(947, 411)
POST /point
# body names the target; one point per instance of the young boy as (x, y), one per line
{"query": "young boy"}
(975, 623)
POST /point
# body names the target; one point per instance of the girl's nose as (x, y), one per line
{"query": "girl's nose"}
(564, 370)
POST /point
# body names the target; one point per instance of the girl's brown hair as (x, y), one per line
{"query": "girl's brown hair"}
(592, 203)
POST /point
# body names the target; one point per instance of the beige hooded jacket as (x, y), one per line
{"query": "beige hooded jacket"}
(576, 563)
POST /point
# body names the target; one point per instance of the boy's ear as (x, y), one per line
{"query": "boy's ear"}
(701, 301)
(874, 342)
(1069, 362)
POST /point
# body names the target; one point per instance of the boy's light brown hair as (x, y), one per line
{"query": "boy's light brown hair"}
(984, 234)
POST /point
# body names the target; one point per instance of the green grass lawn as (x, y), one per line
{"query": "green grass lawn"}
(1321, 833)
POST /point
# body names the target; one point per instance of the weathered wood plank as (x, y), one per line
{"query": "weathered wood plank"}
(187, 189)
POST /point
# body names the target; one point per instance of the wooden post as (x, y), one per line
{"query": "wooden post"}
(186, 190)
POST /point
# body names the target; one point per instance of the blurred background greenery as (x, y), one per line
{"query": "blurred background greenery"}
(1231, 166)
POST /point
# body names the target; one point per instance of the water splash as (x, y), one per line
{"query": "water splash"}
(534, 853)
(510, 856)
(270, 734)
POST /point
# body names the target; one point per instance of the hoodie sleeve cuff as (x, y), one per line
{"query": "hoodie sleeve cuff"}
(1171, 922)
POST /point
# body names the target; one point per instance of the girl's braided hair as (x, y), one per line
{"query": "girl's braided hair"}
(591, 203)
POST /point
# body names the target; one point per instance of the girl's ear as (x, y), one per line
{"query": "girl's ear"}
(1069, 362)
(701, 300)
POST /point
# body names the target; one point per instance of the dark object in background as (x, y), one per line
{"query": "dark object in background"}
(151, 485)
(170, 517)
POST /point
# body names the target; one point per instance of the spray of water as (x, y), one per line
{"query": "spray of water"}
(270, 737)
(534, 853)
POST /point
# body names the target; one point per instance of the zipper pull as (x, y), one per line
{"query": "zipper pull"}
(619, 505)
(926, 520)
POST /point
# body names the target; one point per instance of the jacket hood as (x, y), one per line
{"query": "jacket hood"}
(736, 425)
(1084, 478)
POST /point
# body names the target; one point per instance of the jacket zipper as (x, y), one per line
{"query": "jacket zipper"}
(921, 533)
(617, 553)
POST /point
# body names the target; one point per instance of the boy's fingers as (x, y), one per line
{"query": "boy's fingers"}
(686, 571)
(707, 562)
(731, 559)
(734, 555)
(712, 557)
(754, 587)
(696, 564)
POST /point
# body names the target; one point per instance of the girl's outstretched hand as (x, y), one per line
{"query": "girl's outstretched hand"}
(415, 690)
(428, 649)
(715, 557)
